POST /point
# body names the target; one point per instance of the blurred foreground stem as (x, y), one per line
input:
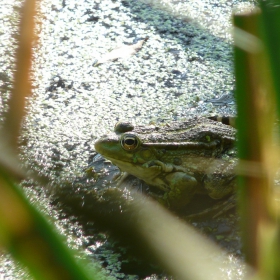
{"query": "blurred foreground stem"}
(21, 85)
(258, 155)
(24, 232)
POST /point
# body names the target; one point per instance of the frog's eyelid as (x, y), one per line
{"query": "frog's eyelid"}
(121, 127)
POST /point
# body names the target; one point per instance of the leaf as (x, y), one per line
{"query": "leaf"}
(122, 52)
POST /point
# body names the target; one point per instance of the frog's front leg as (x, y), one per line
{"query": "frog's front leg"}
(182, 189)
(178, 186)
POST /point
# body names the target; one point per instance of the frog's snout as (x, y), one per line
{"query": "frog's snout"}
(99, 144)
(107, 146)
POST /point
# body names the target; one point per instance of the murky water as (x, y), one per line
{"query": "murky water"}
(186, 60)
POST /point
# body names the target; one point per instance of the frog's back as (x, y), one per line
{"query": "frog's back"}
(192, 130)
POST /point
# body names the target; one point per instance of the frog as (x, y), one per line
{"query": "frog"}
(180, 159)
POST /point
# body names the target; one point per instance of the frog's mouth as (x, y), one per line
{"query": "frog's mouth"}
(125, 161)
(136, 169)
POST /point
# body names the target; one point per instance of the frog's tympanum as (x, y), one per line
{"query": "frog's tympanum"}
(181, 159)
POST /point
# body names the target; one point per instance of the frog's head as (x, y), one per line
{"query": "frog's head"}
(126, 149)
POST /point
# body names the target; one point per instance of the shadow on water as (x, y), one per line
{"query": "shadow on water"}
(99, 206)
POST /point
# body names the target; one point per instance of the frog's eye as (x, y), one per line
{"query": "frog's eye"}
(130, 142)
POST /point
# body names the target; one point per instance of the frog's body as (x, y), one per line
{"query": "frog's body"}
(181, 159)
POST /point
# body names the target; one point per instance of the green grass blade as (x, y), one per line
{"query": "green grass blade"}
(254, 94)
(271, 19)
(30, 239)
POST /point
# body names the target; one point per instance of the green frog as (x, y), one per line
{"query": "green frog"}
(181, 159)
